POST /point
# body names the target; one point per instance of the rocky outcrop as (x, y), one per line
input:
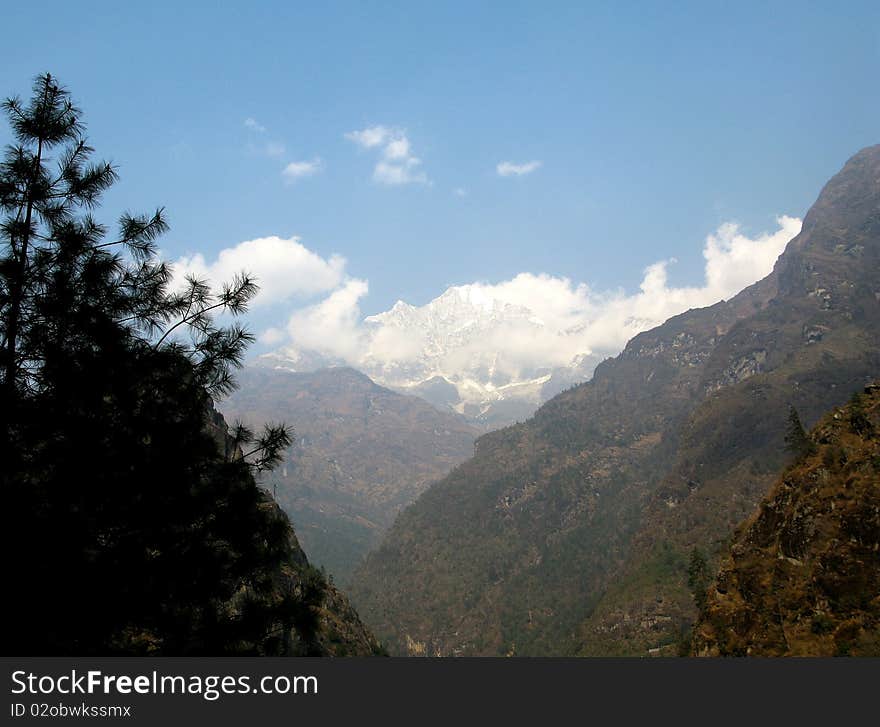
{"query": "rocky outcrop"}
(802, 576)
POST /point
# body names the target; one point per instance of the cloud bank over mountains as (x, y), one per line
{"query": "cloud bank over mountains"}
(565, 318)
(491, 340)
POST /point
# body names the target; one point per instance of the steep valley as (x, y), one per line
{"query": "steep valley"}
(361, 452)
(569, 533)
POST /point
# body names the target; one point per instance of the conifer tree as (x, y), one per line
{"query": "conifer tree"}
(858, 419)
(698, 577)
(132, 524)
(796, 440)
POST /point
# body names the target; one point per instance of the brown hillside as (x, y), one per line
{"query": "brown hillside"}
(802, 577)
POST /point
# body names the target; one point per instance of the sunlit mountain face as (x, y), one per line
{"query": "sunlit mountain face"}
(465, 351)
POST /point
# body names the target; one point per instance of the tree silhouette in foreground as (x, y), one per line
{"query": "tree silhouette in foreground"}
(133, 523)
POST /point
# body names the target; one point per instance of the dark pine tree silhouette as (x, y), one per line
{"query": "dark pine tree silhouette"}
(132, 518)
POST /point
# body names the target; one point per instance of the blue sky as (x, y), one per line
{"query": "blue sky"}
(653, 126)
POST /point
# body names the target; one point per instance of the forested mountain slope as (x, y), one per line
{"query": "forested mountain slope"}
(333, 627)
(361, 452)
(569, 533)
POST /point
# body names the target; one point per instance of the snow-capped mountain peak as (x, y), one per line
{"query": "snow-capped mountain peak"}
(463, 350)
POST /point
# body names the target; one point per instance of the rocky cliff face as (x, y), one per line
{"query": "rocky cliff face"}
(802, 576)
(570, 533)
(360, 454)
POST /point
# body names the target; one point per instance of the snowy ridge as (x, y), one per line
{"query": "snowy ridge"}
(439, 352)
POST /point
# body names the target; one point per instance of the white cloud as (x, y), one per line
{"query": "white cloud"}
(544, 321)
(397, 164)
(397, 149)
(253, 125)
(733, 260)
(284, 268)
(298, 170)
(369, 137)
(272, 336)
(460, 192)
(405, 172)
(509, 169)
(333, 326)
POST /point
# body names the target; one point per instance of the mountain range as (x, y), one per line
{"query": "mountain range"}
(570, 533)
(438, 352)
(495, 352)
